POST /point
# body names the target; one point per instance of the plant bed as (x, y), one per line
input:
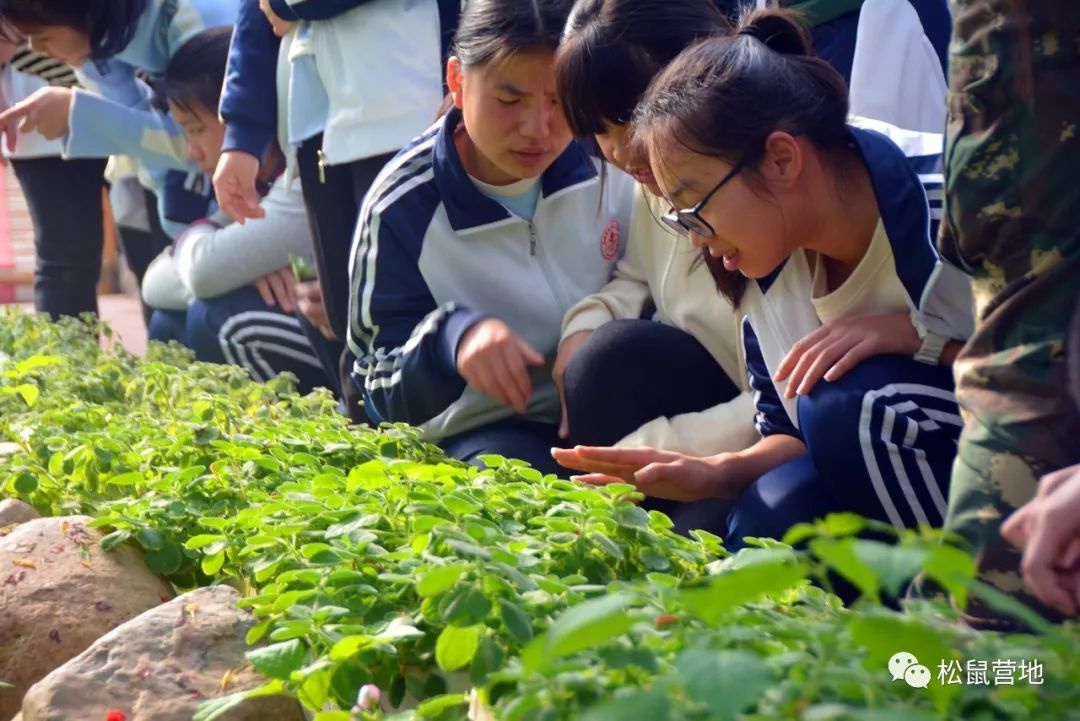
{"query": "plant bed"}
(370, 558)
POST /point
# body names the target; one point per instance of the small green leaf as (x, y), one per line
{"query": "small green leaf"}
(196, 542)
(588, 625)
(150, 539)
(469, 608)
(212, 564)
(517, 622)
(257, 632)
(439, 580)
(278, 660)
(840, 555)
(456, 647)
(489, 659)
(726, 682)
(894, 565)
(29, 393)
(114, 539)
(348, 647)
(164, 560)
(26, 484)
(134, 478)
(433, 707)
(607, 546)
(633, 517)
(763, 572)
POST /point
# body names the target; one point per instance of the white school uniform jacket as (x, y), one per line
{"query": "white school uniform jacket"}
(370, 78)
(905, 169)
(433, 256)
(896, 75)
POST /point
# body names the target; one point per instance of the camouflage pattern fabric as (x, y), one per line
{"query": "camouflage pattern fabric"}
(1074, 357)
(1012, 184)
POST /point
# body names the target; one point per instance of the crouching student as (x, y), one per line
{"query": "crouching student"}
(475, 241)
(654, 357)
(852, 318)
(225, 289)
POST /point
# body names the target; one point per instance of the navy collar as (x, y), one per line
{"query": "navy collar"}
(468, 208)
(901, 200)
(905, 211)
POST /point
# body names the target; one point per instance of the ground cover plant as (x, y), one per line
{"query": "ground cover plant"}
(374, 562)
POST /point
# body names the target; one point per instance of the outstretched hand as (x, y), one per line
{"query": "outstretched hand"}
(495, 360)
(656, 473)
(45, 111)
(834, 349)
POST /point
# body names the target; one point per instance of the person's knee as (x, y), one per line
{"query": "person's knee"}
(601, 366)
(204, 332)
(165, 326)
(835, 410)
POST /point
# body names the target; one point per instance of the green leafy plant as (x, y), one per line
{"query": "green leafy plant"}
(370, 559)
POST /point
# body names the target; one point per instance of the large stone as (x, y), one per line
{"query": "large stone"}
(59, 592)
(13, 511)
(161, 666)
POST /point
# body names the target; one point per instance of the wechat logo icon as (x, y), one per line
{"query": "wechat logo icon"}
(904, 666)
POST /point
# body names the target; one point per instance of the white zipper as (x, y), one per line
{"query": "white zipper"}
(536, 251)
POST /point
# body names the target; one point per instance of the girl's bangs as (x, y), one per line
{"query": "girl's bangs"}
(600, 84)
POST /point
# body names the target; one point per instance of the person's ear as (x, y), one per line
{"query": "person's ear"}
(783, 161)
(455, 80)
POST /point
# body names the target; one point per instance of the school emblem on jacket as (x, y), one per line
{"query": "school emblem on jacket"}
(609, 241)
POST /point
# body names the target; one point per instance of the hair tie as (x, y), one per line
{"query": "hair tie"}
(750, 31)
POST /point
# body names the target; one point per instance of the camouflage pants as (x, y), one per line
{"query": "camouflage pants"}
(1013, 219)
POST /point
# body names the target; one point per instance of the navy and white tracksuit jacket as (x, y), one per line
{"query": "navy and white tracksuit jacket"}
(885, 432)
(433, 256)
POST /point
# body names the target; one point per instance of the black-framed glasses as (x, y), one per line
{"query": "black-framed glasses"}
(685, 222)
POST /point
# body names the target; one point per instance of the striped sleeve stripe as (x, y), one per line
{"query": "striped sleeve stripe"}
(56, 73)
(252, 339)
(416, 162)
(900, 475)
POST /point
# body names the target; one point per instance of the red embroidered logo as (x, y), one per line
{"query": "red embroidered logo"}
(609, 241)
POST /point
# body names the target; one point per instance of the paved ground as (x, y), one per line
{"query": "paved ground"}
(124, 314)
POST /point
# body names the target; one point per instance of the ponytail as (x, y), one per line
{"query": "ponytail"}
(724, 96)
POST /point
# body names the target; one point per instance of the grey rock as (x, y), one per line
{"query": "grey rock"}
(161, 666)
(59, 592)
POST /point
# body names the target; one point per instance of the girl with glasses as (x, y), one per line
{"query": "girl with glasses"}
(851, 317)
(474, 242)
(653, 358)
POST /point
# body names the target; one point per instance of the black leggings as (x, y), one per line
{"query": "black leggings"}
(65, 203)
(632, 371)
(333, 197)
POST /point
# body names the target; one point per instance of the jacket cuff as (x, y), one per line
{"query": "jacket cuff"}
(457, 324)
(588, 318)
(247, 138)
